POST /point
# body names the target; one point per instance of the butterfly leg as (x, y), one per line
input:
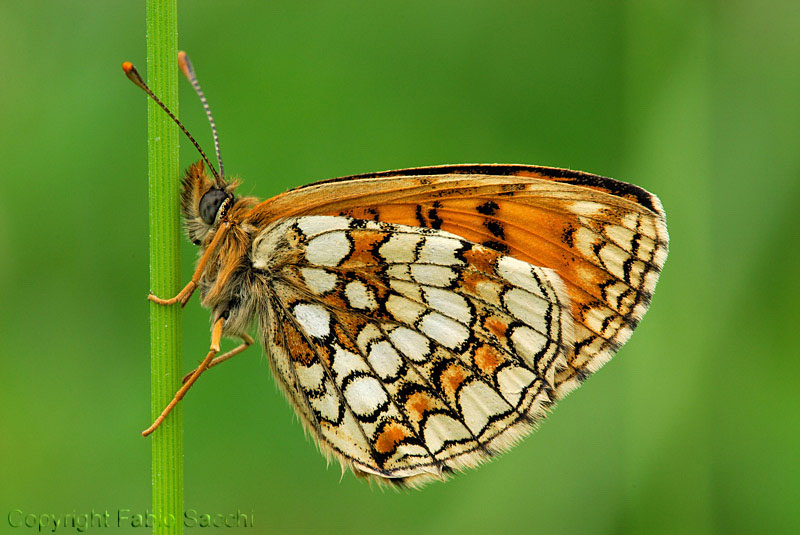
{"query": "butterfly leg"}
(184, 295)
(247, 341)
(216, 336)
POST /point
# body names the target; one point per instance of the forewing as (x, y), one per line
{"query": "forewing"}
(407, 351)
(606, 240)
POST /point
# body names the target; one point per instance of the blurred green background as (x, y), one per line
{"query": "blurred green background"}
(692, 428)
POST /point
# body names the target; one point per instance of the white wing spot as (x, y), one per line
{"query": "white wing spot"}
(384, 360)
(406, 289)
(411, 343)
(314, 319)
(629, 220)
(404, 310)
(359, 296)
(444, 330)
(367, 334)
(621, 236)
(365, 395)
(346, 362)
(433, 275)
(478, 403)
(439, 250)
(318, 281)
(310, 377)
(328, 405)
(328, 249)
(613, 257)
(513, 380)
(346, 435)
(527, 343)
(399, 271)
(317, 224)
(440, 428)
(583, 239)
(587, 208)
(518, 273)
(449, 303)
(400, 248)
(526, 307)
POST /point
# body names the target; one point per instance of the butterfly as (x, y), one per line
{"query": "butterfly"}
(421, 320)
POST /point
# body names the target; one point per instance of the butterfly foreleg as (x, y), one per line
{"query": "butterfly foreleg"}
(216, 336)
(187, 291)
(247, 341)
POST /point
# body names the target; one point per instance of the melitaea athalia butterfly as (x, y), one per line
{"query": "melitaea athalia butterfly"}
(420, 320)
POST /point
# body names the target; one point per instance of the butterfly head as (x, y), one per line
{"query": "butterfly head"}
(204, 201)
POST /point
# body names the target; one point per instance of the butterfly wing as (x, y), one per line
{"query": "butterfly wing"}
(607, 240)
(407, 351)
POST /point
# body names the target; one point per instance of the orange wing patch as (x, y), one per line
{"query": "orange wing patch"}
(606, 239)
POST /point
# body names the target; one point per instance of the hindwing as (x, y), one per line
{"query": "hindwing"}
(409, 351)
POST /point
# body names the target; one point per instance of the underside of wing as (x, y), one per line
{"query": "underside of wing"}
(607, 240)
(409, 352)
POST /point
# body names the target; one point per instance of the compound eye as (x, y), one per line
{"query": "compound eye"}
(210, 203)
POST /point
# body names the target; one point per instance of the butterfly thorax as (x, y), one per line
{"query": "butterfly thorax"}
(227, 284)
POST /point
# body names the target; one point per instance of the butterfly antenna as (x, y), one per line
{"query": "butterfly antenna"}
(188, 70)
(134, 76)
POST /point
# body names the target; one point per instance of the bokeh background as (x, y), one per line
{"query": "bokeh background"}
(692, 428)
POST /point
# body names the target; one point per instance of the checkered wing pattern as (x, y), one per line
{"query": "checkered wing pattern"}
(407, 351)
(605, 239)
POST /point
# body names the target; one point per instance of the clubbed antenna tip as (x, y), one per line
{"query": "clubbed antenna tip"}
(134, 76)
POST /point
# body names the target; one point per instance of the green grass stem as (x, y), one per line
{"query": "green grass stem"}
(165, 268)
